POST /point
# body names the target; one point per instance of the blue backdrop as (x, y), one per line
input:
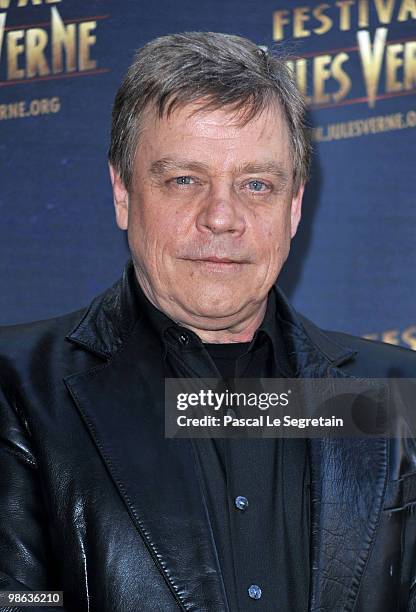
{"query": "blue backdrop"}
(352, 265)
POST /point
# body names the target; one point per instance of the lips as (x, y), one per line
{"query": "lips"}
(215, 263)
(218, 265)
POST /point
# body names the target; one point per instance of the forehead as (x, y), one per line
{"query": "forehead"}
(219, 136)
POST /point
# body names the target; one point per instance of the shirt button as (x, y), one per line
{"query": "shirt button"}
(254, 591)
(184, 339)
(241, 502)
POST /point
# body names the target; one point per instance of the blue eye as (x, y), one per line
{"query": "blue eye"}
(257, 185)
(183, 180)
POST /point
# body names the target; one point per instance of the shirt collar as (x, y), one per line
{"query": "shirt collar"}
(270, 327)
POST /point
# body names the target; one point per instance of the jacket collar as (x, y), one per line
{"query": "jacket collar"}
(124, 412)
(110, 318)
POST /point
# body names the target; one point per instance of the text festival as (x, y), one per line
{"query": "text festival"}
(387, 68)
(28, 52)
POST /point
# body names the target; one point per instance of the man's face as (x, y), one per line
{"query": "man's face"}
(210, 213)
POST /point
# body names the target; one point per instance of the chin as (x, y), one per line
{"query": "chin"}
(214, 307)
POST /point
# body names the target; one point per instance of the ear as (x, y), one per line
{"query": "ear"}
(296, 211)
(120, 198)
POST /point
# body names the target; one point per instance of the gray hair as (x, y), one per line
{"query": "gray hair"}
(223, 69)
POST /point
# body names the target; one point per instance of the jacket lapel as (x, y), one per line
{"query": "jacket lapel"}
(348, 480)
(347, 490)
(122, 404)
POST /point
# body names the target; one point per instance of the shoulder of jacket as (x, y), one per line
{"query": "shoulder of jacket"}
(24, 333)
(375, 358)
(32, 353)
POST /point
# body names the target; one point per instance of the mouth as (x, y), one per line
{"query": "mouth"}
(219, 260)
(218, 264)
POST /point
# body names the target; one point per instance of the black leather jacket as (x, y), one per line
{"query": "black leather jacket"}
(95, 501)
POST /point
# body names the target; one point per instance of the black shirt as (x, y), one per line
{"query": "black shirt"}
(256, 490)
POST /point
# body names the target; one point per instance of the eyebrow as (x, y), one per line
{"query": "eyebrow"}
(166, 164)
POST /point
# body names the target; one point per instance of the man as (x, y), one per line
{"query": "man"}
(208, 160)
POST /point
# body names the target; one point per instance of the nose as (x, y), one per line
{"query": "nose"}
(221, 212)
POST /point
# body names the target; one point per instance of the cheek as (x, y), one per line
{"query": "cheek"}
(274, 239)
(155, 236)
(146, 222)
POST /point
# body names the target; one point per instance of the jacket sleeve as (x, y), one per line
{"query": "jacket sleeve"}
(26, 558)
